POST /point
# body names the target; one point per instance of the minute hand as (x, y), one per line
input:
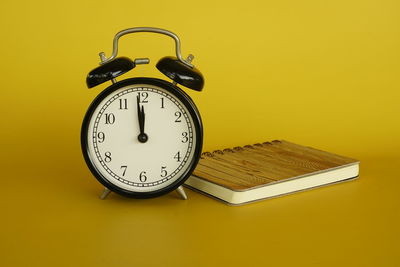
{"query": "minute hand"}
(142, 137)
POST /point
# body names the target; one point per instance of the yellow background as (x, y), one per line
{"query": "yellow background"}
(317, 73)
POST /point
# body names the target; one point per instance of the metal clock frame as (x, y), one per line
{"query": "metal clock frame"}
(178, 93)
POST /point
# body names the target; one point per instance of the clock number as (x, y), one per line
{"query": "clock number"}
(162, 102)
(143, 97)
(100, 137)
(123, 103)
(124, 169)
(164, 171)
(178, 156)
(143, 177)
(110, 118)
(108, 156)
(185, 137)
(178, 115)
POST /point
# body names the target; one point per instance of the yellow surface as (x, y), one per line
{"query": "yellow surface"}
(318, 73)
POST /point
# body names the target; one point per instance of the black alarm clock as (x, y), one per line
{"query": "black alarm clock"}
(142, 137)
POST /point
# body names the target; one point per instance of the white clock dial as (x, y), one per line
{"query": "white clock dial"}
(116, 151)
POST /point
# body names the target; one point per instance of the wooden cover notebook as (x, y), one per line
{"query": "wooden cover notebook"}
(250, 173)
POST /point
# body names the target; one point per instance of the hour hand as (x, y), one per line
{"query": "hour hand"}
(142, 137)
(141, 122)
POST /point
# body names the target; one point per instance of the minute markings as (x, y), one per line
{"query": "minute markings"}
(140, 91)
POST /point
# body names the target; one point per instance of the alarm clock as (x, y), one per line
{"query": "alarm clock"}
(142, 137)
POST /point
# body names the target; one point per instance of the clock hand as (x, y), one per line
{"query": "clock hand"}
(139, 113)
(142, 137)
(142, 121)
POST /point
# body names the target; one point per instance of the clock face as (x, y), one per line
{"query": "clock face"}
(142, 138)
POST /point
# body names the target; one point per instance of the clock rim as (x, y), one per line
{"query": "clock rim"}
(197, 125)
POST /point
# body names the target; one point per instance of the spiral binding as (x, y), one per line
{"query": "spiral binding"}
(238, 148)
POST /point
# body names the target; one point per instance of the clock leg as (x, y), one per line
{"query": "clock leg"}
(105, 193)
(181, 192)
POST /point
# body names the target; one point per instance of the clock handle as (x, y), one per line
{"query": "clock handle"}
(147, 29)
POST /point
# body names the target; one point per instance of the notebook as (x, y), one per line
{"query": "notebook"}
(264, 170)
